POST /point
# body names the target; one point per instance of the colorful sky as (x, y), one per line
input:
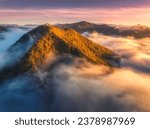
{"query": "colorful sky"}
(126, 12)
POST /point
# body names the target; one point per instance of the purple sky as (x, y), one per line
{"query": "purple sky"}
(108, 11)
(72, 3)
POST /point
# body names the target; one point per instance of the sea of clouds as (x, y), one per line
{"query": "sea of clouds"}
(74, 84)
(10, 37)
(135, 53)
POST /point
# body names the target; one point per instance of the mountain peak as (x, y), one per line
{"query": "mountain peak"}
(48, 25)
(59, 41)
(84, 22)
(49, 40)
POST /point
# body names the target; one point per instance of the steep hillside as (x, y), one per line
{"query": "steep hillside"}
(67, 41)
(46, 40)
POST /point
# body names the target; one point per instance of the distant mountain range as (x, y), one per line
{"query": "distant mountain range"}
(137, 31)
(32, 50)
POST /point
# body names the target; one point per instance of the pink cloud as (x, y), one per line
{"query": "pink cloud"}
(113, 16)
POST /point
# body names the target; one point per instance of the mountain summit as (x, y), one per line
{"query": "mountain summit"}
(68, 41)
(46, 39)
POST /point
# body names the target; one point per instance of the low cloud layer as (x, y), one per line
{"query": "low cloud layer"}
(77, 87)
(97, 88)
